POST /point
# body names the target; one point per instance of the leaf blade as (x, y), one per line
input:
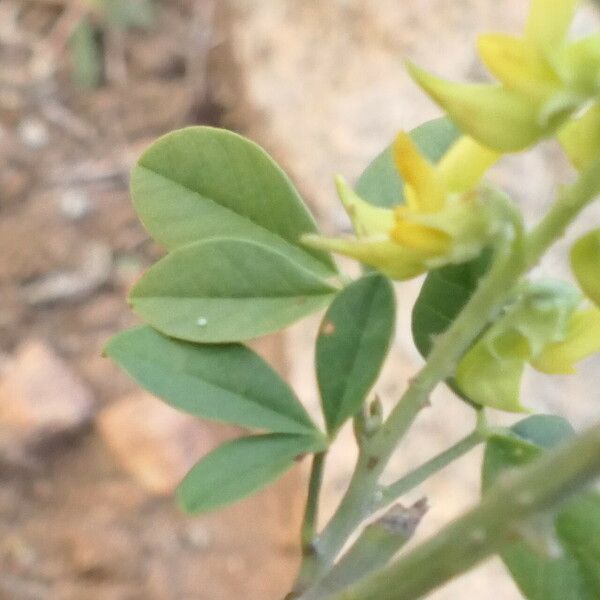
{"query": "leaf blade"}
(226, 290)
(381, 184)
(227, 383)
(570, 576)
(202, 182)
(240, 468)
(353, 341)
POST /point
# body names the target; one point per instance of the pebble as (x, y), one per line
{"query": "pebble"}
(33, 133)
(40, 398)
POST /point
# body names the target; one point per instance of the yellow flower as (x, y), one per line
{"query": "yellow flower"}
(580, 138)
(581, 341)
(490, 372)
(585, 263)
(442, 222)
(543, 81)
(583, 335)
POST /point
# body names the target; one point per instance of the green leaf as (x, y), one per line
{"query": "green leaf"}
(240, 468)
(576, 574)
(201, 182)
(86, 56)
(352, 344)
(133, 13)
(226, 290)
(228, 383)
(442, 297)
(381, 185)
(531, 435)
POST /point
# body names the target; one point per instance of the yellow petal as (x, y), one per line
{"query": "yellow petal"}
(366, 218)
(386, 256)
(428, 240)
(582, 340)
(585, 262)
(425, 191)
(494, 116)
(579, 64)
(549, 21)
(465, 163)
(580, 138)
(487, 381)
(519, 65)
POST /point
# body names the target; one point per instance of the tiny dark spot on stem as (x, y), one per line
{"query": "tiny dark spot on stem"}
(372, 462)
(309, 550)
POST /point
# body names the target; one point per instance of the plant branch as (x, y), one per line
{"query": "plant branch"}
(513, 259)
(310, 556)
(571, 201)
(363, 494)
(490, 526)
(378, 543)
(411, 480)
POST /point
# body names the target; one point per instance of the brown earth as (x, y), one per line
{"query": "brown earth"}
(73, 524)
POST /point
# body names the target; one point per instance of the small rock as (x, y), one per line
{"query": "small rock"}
(40, 398)
(94, 272)
(153, 442)
(74, 204)
(101, 551)
(33, 133)
(198, 536)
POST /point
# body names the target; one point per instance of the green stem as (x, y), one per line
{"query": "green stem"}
(509, 266)
(311, 513)
(361, 496)
(513, 259)
(375, 547)
(411, 480)
(490, 526)
(570, 202)
(310, 556)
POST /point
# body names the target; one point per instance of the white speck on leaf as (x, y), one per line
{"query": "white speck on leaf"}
(202, 321)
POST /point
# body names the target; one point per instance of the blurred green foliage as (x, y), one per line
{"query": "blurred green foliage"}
(86, 43)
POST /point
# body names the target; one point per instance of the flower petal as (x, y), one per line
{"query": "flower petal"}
(494, 116)
(518, 64)
(465, 163)
(490, 372)
(395, 261)
(428, 240)
(581, 341)
(585, 262)
(579, 64)
(424, 190)
(366, 218)
(580, 138)
(549, 21)
(488, 381)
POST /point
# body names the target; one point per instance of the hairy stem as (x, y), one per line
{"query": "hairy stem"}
(490, 526)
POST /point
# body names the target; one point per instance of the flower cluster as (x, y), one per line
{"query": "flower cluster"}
(547, 86)
(442, 220)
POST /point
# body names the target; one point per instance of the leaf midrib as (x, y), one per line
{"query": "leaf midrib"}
(280, 238)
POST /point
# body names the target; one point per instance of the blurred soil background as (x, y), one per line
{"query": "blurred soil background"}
(88, 463)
